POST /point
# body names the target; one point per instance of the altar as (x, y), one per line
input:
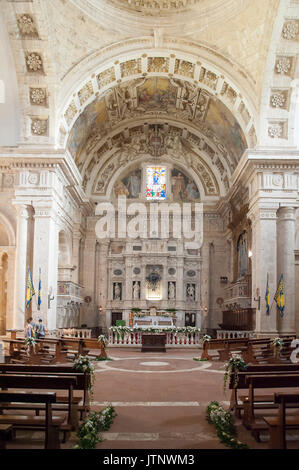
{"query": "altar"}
(153, 321)
(153, 342)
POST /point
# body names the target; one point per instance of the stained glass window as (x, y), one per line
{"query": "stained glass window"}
(155, 188)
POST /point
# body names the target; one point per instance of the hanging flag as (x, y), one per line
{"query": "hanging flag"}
(267, 296)
(279, 296)
(30, 289)
(39, 300)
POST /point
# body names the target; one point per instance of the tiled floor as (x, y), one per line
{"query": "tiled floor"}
(160, 400)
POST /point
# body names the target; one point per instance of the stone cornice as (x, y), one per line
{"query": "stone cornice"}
(17, 158)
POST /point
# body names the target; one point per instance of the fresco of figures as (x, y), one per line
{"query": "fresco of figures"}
(183, 188)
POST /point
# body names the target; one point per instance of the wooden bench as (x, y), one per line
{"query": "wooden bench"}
(224, 347)
(278, 425)
(49, 423)
(95, 345)
(5, 434)
(44, 382)
(82, 384)
(264, 381)
(254, 369)
(262, 351)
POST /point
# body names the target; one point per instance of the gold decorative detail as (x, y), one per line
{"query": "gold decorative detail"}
(34, 62)
(208, 78)
(26, 26)
(38, 96)
(158, 64)
(131, 67)
(182, 67)
(70, 113)
(39, 126)
(85, 93)
(106, 77)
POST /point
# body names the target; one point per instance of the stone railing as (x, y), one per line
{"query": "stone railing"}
(231, 334)
(74, 332)
(172, 341)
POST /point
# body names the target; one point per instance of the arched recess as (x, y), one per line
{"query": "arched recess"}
(3, 291)
(222, 82)
(7, 248)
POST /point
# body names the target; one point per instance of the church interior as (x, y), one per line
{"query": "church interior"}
(149, 223)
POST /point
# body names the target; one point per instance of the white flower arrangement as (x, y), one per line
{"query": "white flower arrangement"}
(102, 339)
(278, 343)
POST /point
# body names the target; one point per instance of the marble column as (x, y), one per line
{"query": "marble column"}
(21, 266)
(264, 239)
(76, 256)
(45, 257)
(2, 310)
(11, 251)
(286, 266)
(204, 295)
(102, 284)
(89, 275)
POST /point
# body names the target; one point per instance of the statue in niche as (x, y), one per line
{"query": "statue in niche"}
(242, 255)
(117, 291)
(171, 290)
(136, 290)
(191, 292)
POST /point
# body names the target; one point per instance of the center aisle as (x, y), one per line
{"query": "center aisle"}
(160, 399)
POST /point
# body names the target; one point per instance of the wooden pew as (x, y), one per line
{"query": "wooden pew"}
(82, 384)
(5, 434)
(261, 351)
(278, 425)
(49, 423)
(255, 369)
(43, 382)
(93, 344)
(224, 347)
(264, 381)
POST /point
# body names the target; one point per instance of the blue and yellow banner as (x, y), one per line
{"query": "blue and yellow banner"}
(279, 296)
(39, 299)
(267, 296)
(30, 292)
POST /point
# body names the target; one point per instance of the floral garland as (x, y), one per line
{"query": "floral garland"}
(224, 424)
(123, 330)
(232, 367)
(97, 422)
(102, 339)
(83, 364)
(120, 331)
(277, 343)
(30, 343)
(176, 330)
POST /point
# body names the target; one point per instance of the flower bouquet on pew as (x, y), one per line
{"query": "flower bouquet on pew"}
(103, 342)
(232, 367)
(83, 364)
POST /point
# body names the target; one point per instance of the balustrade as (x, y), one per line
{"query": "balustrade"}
(172, 340)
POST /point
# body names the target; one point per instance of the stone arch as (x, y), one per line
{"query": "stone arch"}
(228, 87)
(7, 232)
(279, 108)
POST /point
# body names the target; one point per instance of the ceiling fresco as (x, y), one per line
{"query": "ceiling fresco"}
(156, 96)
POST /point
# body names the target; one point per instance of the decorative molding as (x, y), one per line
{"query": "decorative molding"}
(34, 62)
(27, 27)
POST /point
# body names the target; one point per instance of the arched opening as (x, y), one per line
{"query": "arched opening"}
(3, 291)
